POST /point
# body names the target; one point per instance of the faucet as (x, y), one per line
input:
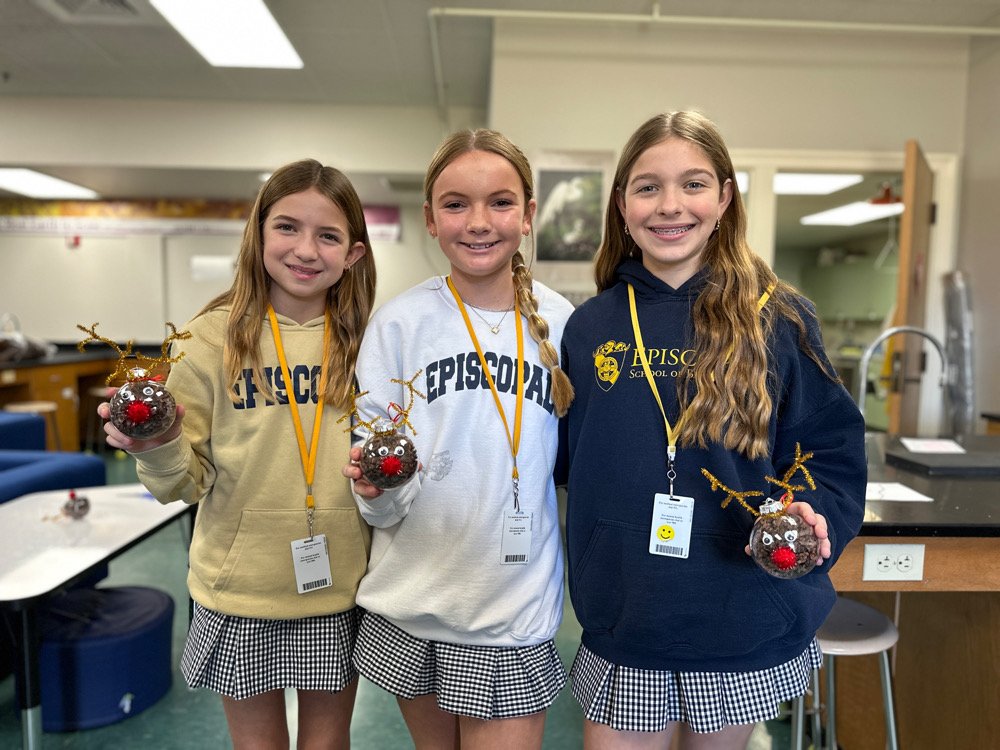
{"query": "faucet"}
(889, 333)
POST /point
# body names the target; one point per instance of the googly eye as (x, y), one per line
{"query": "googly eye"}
(400, 450)
(383, 450)
(147, 391)
(791, 535)
(767, 539)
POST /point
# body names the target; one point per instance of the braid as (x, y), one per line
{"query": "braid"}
(562, 389)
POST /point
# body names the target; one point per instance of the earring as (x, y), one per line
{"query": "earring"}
(626, 231)
(718, 224)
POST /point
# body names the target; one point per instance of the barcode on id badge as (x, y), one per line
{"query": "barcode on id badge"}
(515, 558)
(316, 584)
(666, 549)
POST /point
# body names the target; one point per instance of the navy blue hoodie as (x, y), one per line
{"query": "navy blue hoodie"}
(716, 610)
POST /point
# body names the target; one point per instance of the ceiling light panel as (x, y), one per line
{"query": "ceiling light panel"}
(231, 33)
(37, 185)
(853, 214)
(812, 183)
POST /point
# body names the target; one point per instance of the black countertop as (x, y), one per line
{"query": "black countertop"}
(63, 356)
(962, 506)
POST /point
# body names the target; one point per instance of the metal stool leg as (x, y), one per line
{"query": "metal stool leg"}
(831, 705)
(798, 722)
(817, 720)
(892, 741)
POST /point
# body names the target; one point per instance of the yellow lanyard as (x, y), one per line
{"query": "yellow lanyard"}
(513, 439)
(674, 431)
(308, 455)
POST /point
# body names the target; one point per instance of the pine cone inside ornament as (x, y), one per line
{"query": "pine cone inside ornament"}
(388, 459)
(142, 408)
(783, 544)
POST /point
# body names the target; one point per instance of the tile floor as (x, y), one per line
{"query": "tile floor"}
(193, 719)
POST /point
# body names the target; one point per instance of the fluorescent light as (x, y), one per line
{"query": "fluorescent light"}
(742, 181)
(38, 185)
(231, 33)
(812, 183)
(852, 214)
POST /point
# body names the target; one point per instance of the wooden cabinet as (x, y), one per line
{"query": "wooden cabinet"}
(947, 660)
(64, 380)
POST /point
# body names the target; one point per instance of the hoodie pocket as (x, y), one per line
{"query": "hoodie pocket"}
(260, 559)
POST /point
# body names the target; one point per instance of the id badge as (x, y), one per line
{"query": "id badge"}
(311, 559)
(670, 531)
(515, 546)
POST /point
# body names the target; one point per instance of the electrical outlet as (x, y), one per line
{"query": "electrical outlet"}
(893, 562)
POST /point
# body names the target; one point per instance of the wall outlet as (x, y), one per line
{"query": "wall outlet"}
(893, 562)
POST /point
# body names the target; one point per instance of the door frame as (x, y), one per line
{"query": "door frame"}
(762, 164)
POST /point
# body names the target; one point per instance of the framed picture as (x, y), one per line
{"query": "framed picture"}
(572, 189)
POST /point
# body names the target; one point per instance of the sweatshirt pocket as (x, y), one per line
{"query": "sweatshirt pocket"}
(714, 602)
(259, 562)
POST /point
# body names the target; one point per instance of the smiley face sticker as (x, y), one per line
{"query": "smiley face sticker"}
(665, 533)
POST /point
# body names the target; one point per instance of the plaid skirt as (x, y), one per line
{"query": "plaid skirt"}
(641, 700)
(485, 682)
(240, 657)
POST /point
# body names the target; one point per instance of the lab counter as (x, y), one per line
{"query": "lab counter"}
(63, 378)
(947, 661)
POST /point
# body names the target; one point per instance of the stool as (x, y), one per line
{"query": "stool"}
(851, 629)
(95, 426)
(105, 655)
(45, 409)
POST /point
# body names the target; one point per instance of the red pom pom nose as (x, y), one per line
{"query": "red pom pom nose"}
(783, 558)
(391, 466)
(138, 412)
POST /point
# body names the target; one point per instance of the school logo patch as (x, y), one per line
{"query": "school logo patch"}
(609, 360)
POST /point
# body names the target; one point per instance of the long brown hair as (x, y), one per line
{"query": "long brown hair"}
(730, 402)
(349, 301)
(451, 148)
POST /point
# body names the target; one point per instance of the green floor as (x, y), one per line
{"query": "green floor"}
(194, 719)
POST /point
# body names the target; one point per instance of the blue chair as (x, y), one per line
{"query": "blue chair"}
(26, 471)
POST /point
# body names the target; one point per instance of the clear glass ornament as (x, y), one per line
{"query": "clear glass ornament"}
(782, 543)
(142, 408)
(388, 459)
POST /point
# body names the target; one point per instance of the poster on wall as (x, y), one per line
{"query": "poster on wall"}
(572, 189)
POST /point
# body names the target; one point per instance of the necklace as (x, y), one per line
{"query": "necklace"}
(494, 329)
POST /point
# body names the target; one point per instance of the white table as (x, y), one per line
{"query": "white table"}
(43, 552)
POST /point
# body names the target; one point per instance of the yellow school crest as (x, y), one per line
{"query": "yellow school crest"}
(609, 359)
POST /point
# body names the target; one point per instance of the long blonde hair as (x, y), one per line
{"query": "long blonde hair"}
(730, 402)
(451, 148)
(349, 301)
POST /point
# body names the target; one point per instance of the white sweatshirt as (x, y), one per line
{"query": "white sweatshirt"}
(435, 569)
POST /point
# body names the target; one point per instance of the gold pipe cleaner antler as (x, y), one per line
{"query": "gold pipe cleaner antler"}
(731, 493)
(143, 361)
(798, 464)
(404, 414)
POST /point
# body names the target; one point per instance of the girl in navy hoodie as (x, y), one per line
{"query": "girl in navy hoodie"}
(694, 356)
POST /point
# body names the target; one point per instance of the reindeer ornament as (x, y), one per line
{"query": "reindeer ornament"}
(388, 457)
(781, 543)
(142, 408)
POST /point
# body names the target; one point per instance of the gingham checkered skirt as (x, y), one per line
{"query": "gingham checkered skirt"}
(240, 657)
(481, 681)
(640, 700)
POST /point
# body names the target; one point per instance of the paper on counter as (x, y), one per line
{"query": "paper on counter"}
(931, 445)
(894, 491)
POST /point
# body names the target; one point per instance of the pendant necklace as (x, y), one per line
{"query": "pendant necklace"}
(494, 329)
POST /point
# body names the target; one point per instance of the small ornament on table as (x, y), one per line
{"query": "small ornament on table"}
(77, 506)
(388, 456)
(781, 542)
(142, 408)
